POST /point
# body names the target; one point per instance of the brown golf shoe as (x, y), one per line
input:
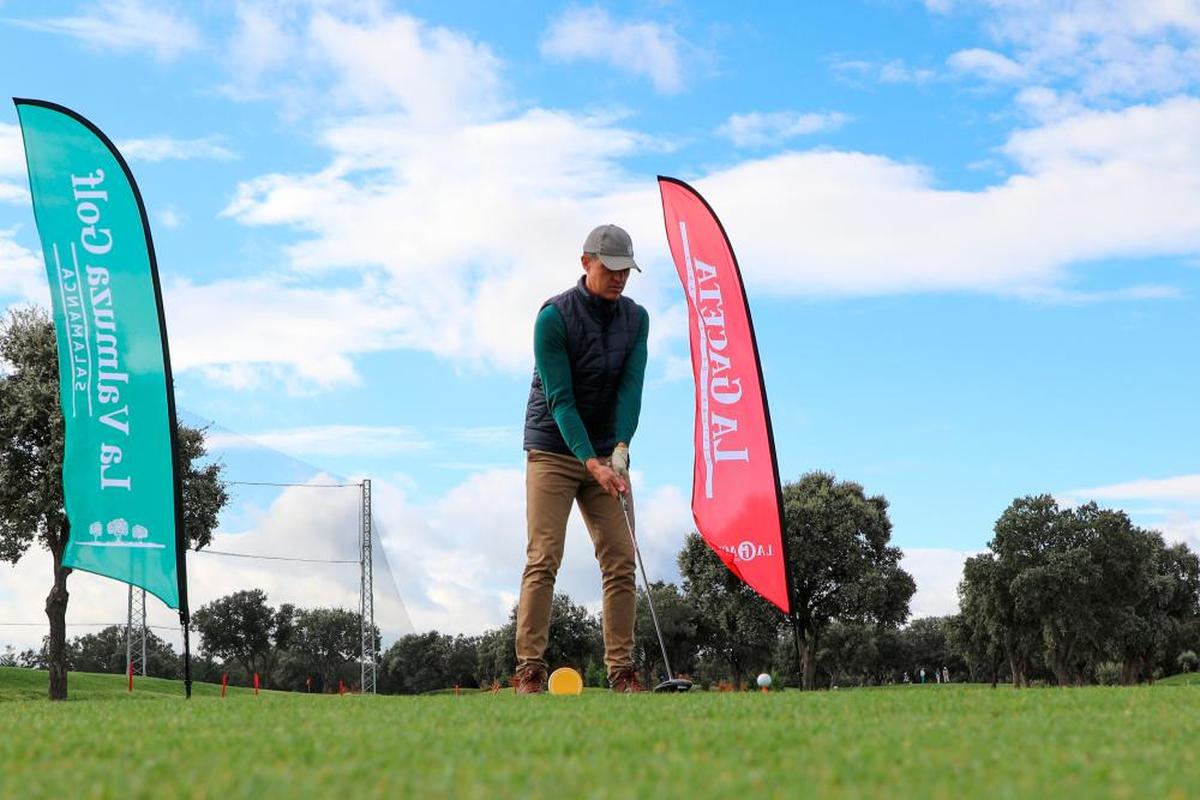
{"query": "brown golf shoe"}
(625, 680)
(529, 680)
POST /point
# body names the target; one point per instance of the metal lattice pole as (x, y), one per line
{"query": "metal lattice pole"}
(366, 594)
(135, 631)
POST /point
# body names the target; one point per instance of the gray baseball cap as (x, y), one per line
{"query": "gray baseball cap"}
(613, 246)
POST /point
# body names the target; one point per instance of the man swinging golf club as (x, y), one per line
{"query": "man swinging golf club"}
(589, 348)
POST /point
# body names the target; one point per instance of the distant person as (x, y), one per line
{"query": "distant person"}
(945, 675)
(922, 674)
(906, 678)
(589, 346)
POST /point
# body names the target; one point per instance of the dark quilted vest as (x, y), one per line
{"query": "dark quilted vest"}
(600, 336)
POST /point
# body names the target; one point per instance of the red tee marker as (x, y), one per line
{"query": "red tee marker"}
(224, 682)
(131, 676)
(256, 683)
(341, 687)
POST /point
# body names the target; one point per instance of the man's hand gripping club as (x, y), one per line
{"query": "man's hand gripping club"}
(612, 477)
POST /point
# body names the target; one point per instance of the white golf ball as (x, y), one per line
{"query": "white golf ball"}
(764, 680)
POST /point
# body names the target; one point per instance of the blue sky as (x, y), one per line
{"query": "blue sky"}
(970, 232)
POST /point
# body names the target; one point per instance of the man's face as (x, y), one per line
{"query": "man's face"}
(603, 281)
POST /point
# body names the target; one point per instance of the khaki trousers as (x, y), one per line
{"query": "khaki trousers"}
(552, 483)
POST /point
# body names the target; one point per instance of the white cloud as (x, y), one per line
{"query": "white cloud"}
(366, 61)
(22, 273)
(1047, 105)
(396, 236)
(1097, 185)
(169, 218)
(648, 49)
(241, 332)
(1090, 186)
(1169, 505)
(260, 44)
(897, 71)
(126, 26)
(469, 229)
(327, 440)
(384, 66)
(1181, 526)
(1178, 489)
(937, 573)
(757, 129)
(163, 148)
(12, 165)
(12, 151)
(459, 558)
(13, 193)
(1102, 48)
(987, 64)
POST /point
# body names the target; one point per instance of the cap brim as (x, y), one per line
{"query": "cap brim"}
(618, 263)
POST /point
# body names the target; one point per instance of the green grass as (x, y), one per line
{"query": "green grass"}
(1182, 679)
(931, 741)
(28, 684)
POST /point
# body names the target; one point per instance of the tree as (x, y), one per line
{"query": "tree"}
(574, 640)
(842, 565)
(496, 657)
(31, 454)
(242, 628)
(575, 637)
(1162, 596)
(680, 624)
(930, 646)
(1077, 587)
(847, 653)
(105, 651)
(328, 641)
(1022, 534)
(972, 643)
(737, 627)
(424, 662)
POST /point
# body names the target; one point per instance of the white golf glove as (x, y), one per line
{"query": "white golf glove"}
(620, 462)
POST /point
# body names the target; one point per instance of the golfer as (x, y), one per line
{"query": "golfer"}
(589, 346)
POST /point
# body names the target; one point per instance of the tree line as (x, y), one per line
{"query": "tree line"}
(1077, 595)
(240, 636)
(717, 630)
(1062, 595)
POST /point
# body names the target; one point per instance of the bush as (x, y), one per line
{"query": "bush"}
(1108, 673)
(1188, 661)
(595, 675)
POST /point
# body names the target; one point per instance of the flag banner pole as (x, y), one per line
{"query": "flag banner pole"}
(737, 502)
(121, 478)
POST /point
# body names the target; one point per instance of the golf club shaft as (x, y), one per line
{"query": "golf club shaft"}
(646, 582)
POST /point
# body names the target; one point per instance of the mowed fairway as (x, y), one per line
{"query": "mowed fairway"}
(932, 741)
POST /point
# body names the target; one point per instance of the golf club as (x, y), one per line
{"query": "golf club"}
(671, 684)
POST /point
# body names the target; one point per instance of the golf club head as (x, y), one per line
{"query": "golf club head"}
(674, 685)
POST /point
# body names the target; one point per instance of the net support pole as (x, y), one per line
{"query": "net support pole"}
(366, 594)
(135, 631)
(187, 656)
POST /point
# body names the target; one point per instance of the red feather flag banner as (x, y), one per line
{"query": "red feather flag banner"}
(736, 498)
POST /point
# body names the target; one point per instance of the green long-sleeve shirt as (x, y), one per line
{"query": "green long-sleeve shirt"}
(554, 367)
